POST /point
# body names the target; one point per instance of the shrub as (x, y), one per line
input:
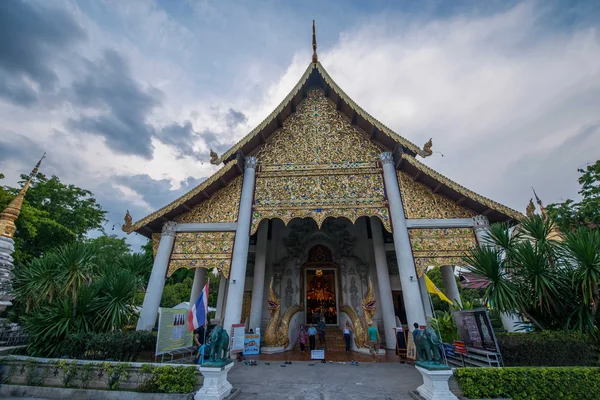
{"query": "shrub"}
(531, 383)
(169, 379)
(547, 348)
(118, 346)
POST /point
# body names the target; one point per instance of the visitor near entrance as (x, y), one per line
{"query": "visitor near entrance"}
(321, 330)
(373, 342)
(302, 337)
(348, 335)
(416, 332)
(312, 331)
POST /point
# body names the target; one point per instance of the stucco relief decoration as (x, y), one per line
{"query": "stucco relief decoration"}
(420, 201)
(438, 247)
(222, 206)
(202, 250)
(318, 165)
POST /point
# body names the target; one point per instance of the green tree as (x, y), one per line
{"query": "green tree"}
(571, 214)
(53, 214)
(109, 249)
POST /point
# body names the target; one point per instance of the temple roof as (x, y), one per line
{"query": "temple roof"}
(315, 76)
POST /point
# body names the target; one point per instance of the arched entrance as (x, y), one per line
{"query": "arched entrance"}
(321, 285)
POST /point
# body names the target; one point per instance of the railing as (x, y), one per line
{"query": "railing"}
(12, 335)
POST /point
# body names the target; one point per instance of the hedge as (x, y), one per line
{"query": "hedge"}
(531, 383)
(547, 349)
(116, 346)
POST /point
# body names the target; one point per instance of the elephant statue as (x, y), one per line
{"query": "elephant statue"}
(219, 347)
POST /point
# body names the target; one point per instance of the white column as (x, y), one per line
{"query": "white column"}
(198, 285)
(406, 264)
(450, 286)
(157, 278)
(258, 281)
(385, 288)
(221, 300)
(425, 297)
(481, 225)
(237, 275)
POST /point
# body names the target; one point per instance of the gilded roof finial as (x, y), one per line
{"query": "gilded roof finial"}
(537, 199)
(315, 58)
(12, 211)
(530, 209)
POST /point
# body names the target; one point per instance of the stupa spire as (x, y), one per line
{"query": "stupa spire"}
(315, 58)
(12, 211)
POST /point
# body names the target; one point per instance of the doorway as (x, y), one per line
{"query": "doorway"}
(321, 286)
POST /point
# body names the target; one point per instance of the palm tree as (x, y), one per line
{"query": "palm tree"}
(37, 282)
(75, 263)
(114, 306)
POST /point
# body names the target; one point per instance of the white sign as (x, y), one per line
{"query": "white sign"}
(238, 331)
(317, 354)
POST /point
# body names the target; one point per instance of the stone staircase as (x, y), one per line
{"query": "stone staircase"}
(334, 340)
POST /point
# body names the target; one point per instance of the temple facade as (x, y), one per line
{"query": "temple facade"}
(320, 212)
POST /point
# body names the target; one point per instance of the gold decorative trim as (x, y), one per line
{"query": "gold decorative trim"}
(359, 110)
(440, 246)
(420, 202)
(463, 190)
(169, 207)
(155, 242)
(222, 206)
(202, 250)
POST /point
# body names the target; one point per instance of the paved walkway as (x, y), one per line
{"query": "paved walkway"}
(331, 381)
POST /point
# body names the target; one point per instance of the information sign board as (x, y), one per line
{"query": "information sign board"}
(236, 344)
(173, 330)
(475, 329)
(317, 354)
(251, 344)
(411, 347)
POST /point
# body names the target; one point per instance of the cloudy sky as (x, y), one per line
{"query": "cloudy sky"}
(127, 97)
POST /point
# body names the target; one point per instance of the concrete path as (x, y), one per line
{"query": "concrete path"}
(330, 381)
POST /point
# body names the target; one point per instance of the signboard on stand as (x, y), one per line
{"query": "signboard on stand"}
(317, 354)
(475, 329)
(411, 347)
(251, 344)
(459, 347)
(173, 330)
(238, 332)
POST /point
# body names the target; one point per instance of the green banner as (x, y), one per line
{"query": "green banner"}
(173, 330)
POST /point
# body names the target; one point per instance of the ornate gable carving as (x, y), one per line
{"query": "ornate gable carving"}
(222, 206)
(420, 202)
(317, 134)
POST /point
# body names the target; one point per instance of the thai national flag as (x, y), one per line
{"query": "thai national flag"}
(198, 313)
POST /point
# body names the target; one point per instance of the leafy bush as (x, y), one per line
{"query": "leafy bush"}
(577, 383)
(547, 348)
(118, 346)
(169, 379)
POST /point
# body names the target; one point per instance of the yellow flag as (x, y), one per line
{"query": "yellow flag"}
(431, 288)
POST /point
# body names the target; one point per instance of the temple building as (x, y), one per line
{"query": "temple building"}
(321, 211)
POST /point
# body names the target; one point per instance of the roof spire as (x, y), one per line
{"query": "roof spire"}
(12, 211)
(540, 204)
(315, 58)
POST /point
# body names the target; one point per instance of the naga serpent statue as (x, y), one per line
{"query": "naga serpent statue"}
(276, 333)
(360, 330)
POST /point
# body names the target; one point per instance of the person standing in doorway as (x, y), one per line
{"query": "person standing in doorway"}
(373, 342)
(302, 337)
(312, 333)
(416, 332)
(348, 335)
(321, 329)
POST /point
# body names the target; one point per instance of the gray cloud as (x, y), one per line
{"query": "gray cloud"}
(180, 137)
(120, 104)
(32, 37)
(234, 118)
(157, 193)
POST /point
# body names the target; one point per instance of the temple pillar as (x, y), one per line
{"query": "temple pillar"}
(385, 288)
(450, 286)
(406, 264)
(156, 284)
(237, 274)
(198, 285)
(425, 298)
(259, 275)
(221, 300)
(481, 226)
